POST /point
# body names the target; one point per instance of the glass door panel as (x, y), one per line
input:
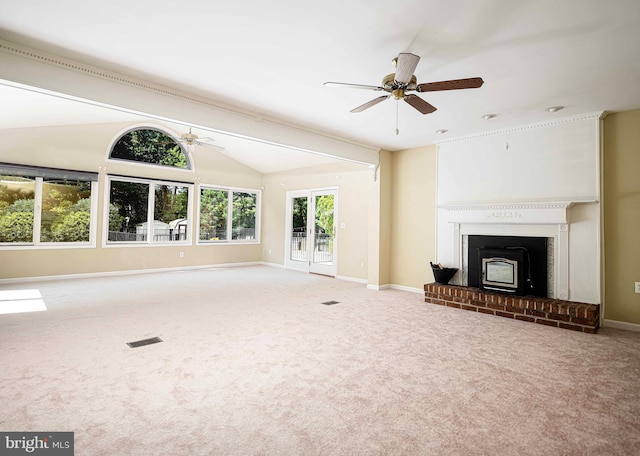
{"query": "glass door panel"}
(298, 243)
(323, 238)
(310, 231)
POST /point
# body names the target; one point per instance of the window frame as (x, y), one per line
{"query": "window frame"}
(229, 225)
(39, 174)
(186, 150)
(150, 212)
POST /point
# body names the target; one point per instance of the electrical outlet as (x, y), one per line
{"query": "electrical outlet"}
(181, 254)
(638, 287)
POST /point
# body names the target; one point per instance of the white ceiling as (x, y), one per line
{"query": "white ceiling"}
(23, 107)
(273, 57)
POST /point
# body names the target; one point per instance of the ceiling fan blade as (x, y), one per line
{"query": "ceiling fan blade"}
(469, 83)
(405, 67)
(353, 86)
(368, 104)
(213, 146)
(419, 104)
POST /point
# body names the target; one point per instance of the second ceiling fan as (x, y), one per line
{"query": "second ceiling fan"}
(192, 139)
(403, 80)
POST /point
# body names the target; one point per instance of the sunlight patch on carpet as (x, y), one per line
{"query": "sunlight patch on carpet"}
(19, 301)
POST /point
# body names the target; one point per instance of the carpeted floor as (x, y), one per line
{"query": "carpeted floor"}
(252, 363)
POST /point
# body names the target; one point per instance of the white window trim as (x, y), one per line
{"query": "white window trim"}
(186, 149)
(150, 212)
(230, 190)
(36, 244)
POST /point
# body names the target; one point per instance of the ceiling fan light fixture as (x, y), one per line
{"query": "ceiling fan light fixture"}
(398, 84)
(554, 108)
(488, 116)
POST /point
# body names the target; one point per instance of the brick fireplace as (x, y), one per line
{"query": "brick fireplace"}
(549, 220)
(546, 311)
(537, 180)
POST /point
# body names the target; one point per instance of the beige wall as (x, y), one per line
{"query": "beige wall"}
(404, 193)
(385, 217)
(413, 215)
(385, 240)
(378, 276)
(352, 182)
(622, 216)
(85, 148)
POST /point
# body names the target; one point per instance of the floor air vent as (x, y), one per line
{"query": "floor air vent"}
(329, 303)
(143, 342)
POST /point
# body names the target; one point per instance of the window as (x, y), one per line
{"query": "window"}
(243, 216)
(66, 210)
(148, 211)
(148, 145)
(17, 196)
(45, 206)
(214, 205)
(215, 223)
(128, 211)
(171, 209)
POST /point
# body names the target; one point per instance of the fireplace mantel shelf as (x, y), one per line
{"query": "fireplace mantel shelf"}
(549, 219)
(534, 213)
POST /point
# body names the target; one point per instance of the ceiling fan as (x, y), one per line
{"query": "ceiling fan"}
(192, 139)
(403, 80)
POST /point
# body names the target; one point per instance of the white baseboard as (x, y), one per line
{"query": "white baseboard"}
(88, 275)
(410, 289)
(621, 325)
(395, 287)
(351, 279)
(273, 265)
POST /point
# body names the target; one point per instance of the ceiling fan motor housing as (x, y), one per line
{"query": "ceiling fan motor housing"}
(397, 90)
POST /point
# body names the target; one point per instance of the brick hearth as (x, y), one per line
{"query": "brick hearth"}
(576, 316)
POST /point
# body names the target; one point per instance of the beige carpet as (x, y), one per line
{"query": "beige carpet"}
(252, 363)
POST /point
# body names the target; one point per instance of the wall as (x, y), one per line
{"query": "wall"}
(85, 147)
(413, 217)
(352, 182)
(622, 216)
(381, 221)
(555, 161)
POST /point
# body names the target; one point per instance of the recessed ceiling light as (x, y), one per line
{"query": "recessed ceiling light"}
(441, 132)
(488, 116)
(554, 108)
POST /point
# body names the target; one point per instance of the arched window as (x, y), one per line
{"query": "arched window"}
(149, 145)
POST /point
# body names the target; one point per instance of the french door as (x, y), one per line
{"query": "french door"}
(311, 231)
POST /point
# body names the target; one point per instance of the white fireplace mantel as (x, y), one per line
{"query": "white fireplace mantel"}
(543, 219)
(556, 212)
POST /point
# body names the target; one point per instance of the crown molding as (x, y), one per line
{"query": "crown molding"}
(251, 125)
(514, 205)
(598, 115)
(97, 72)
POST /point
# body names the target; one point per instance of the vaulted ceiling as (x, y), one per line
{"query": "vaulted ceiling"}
(272, 58)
